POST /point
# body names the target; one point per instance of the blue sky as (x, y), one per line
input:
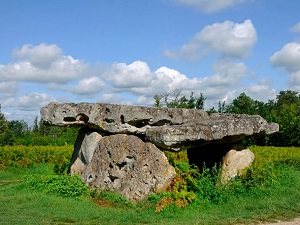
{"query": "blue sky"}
(126, 51)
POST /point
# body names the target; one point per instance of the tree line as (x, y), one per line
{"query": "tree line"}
(17, 132)
(284, 110)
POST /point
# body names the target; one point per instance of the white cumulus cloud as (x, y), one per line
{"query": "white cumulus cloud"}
(288, 57)
(41, 56)
(136, 74)
(88, 86)
(28, 102)
(227, 38)
(226, 77)
(43, 64)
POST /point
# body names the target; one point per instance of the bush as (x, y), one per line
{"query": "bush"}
(22, 156)
(61, 185)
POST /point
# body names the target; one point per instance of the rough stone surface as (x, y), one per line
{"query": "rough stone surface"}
(171, 129)
(235, 161)
(117, 118)
(127, 165)
(85, 145)
(218, 129)
(117, 147)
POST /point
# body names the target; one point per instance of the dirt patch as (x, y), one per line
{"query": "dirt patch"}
(293, 222)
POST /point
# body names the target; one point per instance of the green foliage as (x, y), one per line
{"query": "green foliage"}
(22, 156)
(35, 127)
(54, 136)
(6, 135)
(61, 185)
(272, 168)
(243, 104)
(288, 116)
(278, 155)
(175, 99)
(107, 198)
(62, 167)
(287, 97)
(17, 132)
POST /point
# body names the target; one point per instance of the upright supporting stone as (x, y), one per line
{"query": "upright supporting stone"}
(232, 158)
(234, 162)
(124, 164)
(85, 145)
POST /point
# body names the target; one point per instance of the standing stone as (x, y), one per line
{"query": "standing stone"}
(85, 145)
(127, 165)
(234, 162)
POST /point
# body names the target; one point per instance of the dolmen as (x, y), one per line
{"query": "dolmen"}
(120, 148)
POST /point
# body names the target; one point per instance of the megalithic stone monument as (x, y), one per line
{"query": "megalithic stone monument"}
(120, 147)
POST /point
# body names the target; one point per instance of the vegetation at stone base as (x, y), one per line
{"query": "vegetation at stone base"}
(269, 190)
(285, 111)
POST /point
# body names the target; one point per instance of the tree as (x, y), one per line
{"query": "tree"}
(175, 99)
(286, 112)
(200, 102)
(287, 97)
(6, 135)
(18, 127)
(243, 104)
(288, 118)
(157, 101)
(3, 123)
(221, 107)
(35, 127)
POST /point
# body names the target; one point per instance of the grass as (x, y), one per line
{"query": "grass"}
(278, 200)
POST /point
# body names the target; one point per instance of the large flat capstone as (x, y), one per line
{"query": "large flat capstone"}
(170, 129)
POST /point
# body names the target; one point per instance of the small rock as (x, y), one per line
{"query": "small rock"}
(235, 161)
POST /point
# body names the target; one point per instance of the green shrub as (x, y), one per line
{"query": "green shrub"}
(61, 185)
(22, 156)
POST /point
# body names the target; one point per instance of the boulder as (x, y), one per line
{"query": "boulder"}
(127, 165)
(235, 161)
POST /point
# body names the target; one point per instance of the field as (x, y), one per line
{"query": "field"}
(35, 190)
